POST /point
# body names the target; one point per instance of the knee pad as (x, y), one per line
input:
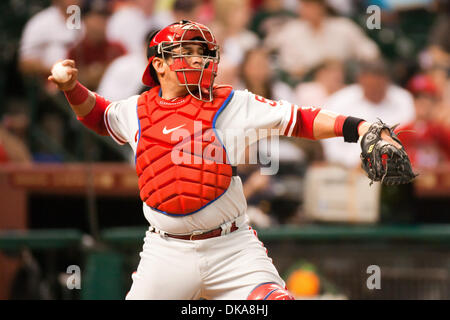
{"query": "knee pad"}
(269, 291)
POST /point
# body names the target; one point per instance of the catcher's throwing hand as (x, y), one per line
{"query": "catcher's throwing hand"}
(383, 156)
(72, 71)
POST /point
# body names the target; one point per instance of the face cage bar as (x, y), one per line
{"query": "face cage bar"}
(165, 48)
(167, 52)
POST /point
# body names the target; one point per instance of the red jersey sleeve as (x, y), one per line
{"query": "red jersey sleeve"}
(303, 122)
(94, 120)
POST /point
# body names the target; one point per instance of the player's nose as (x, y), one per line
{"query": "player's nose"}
(197, 61)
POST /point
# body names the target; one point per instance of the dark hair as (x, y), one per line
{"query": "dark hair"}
(328, 8)
(267, 84)
(377, 66)
(100, 7)
(185, 5)
(149, 37)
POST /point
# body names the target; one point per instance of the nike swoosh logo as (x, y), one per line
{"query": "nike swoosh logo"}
(167, 131)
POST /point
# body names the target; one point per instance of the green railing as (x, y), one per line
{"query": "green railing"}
(39, 239)
(61, 238)
(106, 265)
(423, 233)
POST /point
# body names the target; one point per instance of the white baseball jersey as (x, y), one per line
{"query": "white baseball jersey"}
(246, 115)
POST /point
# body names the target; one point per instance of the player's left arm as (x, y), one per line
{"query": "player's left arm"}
(308, 122)
(317, 124)
(382, 154)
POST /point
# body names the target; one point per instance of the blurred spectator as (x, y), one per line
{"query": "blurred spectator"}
(12, 149)
(437, 61)
(263, 191)
(16, 119)
(439, 46)
(256, 189)
(228, 72)
(13, 131)
(328, 78)
(94, 53)
(123, 77)
(255, 186)
(257, 76)
(271, 16)
(441, 77)
(316, 36)
(186, 10)
(401, 33)
(46, 39)
(372, 97)
(232, 17)
(273, 199)
(427, 139)
(133, 20)
(52, 126)
(343, 7)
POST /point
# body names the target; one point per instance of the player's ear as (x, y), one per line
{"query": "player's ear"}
(158, 65)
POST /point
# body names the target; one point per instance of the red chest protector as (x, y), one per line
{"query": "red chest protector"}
(181, 164)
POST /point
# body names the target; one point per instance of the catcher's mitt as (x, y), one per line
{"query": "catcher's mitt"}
(383, 161)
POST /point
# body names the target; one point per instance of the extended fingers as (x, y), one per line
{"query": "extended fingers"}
(73, 73)
(52, 79)
(68, 63)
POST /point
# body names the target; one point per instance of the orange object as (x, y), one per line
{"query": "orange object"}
(303, 283)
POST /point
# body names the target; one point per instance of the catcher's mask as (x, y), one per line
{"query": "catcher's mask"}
(163, 44)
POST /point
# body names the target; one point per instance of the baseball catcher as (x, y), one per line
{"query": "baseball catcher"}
(183, 131)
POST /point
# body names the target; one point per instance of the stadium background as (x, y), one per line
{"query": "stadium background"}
(69, 197)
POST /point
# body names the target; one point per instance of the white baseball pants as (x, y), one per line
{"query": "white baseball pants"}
(225, 267)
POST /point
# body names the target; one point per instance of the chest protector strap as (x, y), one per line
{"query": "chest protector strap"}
(181, 164)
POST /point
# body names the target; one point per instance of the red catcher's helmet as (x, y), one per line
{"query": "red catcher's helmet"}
(175, 36)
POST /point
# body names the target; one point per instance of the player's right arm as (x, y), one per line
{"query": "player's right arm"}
(88, 106)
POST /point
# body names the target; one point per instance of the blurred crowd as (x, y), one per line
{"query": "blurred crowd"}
(321, 53)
